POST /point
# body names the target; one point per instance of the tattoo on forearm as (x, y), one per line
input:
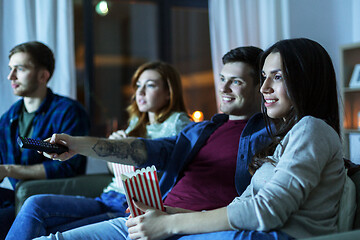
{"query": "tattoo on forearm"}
(133, 150)
(137, 151)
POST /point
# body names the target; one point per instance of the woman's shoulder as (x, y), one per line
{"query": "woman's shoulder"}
(170, 127)
(180, 119)
(313, 123)
(181, 116)
(315, 128)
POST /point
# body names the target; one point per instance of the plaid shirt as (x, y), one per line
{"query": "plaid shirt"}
(57, 114)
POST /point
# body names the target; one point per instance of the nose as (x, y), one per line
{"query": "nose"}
(12, 74)
(141, 90)
(225, 86)
(266, 86)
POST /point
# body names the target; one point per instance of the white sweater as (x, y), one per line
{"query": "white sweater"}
(300, 195)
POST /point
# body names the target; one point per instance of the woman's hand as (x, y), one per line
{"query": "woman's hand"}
(173, 210)
(62, 139)
(153, 224)
(120, 134)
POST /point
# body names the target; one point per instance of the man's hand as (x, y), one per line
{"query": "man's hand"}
(151, 225)
(23, 172)
(62, 139)
(3, 172)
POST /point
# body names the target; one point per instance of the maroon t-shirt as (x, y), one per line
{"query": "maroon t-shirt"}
(209, 180)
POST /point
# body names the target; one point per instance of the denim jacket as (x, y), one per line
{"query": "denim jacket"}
(171, 155)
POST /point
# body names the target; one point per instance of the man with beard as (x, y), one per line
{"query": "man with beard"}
(37, 115)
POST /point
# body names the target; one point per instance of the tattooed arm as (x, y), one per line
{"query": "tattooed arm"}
(131, 151)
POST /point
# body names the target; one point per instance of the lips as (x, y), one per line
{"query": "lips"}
(141, 101)
(14, 85)
(227, 98)
(269, 102)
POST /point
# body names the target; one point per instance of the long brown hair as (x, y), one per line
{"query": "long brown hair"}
(172, 82)
(310, 83)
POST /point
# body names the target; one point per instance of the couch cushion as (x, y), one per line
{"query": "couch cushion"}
(86, 185)
(356, 179)
(347, 207)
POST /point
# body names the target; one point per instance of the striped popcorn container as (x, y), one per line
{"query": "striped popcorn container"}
(143, 185)
(120, 169)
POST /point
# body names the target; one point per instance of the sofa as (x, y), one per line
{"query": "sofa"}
(91, 185)
(355, 233)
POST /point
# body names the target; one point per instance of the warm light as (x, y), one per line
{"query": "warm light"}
(102, 8)
(198, 116)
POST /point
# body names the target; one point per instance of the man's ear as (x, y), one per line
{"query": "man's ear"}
(258, 93)
(44, 75)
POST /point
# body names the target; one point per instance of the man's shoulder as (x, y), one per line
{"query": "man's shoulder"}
(58, 97)
(219, 117)
(13, 110)
(257, 117)
(57, 107)
(214, 122)
(255, 125)
(65, 102)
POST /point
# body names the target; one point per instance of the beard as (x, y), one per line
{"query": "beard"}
(27, 88)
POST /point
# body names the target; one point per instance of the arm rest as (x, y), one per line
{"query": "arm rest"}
(356, 179)
(350, 235)
(84, 185)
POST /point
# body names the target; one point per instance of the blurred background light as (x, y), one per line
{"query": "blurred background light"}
(197, 116)
(102, 8)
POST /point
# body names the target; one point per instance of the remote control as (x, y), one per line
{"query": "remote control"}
(40, 145)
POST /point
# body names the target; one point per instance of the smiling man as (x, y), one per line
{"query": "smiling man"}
(204, 167)
(239, 89)
(37, 114)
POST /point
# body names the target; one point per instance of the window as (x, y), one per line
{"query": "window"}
(110, 47)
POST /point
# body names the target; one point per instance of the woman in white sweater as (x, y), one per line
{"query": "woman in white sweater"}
(298, 180)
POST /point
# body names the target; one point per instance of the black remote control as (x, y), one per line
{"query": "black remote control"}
(40, 145)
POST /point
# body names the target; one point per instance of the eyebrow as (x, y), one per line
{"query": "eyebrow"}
(275, 71)
(155, 79)
(232, 77)
(149, 80)
(19, 65)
